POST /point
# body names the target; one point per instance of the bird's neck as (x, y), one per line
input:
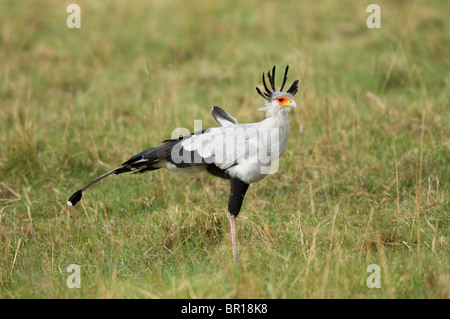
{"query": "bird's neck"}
(279, 120)
(278, 117)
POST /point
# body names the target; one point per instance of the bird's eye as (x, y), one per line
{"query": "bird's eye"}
(281, 99)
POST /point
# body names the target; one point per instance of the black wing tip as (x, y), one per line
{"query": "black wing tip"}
(216, 110)
(75, 198)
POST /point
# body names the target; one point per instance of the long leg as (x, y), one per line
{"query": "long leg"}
(237, 193)
(233, 236)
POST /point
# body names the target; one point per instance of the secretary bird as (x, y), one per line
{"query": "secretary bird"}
(242, 153)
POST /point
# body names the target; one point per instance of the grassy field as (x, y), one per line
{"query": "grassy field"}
(365, 179)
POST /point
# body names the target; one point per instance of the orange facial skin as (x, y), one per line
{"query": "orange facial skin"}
(283, 101)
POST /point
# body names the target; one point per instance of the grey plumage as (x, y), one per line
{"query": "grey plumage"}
(222, 117)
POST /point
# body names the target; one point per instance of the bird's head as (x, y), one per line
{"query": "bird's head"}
(277, 100)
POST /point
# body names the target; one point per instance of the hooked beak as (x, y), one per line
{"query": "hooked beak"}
(292, 103)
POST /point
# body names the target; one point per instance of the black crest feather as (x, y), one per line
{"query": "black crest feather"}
(271, 77)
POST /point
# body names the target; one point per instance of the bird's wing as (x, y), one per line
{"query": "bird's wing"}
(222, 117)
(225, 146)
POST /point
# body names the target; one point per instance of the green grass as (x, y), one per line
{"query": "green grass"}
(365, 179)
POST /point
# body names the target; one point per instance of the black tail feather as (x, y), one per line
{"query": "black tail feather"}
(147, 160)
(75, 198)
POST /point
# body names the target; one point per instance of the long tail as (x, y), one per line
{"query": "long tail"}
(75, 198)
(148, 160)
(142, 162)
